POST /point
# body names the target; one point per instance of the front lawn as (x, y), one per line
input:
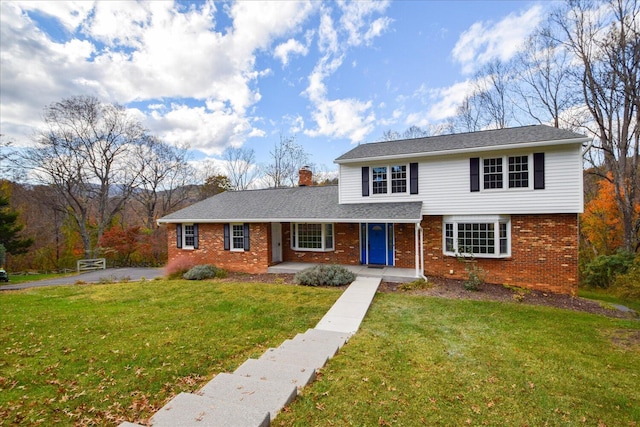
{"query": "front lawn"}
(102, 354)
(437, 362)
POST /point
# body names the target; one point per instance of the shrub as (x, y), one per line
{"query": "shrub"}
(627, 285)
(602, 271)
(320, 275)
(475, 273)
(201, 272)
(418, 284)
(176, 268)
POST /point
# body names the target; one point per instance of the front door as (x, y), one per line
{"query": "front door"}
(276, 242)
(377, 244)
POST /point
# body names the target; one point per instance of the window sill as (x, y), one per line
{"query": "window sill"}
(472, 257)
(237, 250)
(312, 250)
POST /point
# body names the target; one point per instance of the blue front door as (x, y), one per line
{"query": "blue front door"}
(377, 244)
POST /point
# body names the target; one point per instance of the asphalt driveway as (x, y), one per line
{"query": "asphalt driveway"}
(96, 276)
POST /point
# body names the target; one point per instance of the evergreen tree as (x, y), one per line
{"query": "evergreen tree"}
(10, 229)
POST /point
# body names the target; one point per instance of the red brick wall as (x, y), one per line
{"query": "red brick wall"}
(211, 249)
(405, 245)
(346, 243)
(544, 254)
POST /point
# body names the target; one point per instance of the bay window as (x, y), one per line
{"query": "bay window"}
(482, 236)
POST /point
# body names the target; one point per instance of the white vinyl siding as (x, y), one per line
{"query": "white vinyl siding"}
(444, 185)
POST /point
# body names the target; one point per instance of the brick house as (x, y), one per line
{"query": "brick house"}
(508, 197)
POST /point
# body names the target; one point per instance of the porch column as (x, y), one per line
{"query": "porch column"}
(417, 249)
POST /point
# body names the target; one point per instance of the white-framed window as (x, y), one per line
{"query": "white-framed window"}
(312, 236)
(481, 236)
(189, 236)
(389, 179)
(515, 174)
(237, 237)
(379, 179)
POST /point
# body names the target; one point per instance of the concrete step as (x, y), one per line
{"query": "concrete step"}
(261, 395)
(339, 338)
(320, 348)
(190, 410)
(296, 358)
(349, 310)
(268, 370)
(128, 424)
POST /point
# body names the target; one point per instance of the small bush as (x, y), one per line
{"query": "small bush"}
(418, 284)
(321, 275)
(627, 285)
(176, 268)
(602, 271)
(201, 272)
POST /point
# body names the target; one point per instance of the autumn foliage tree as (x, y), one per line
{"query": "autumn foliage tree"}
(601, 224)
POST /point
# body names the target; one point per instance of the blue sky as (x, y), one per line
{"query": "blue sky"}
(214, 75)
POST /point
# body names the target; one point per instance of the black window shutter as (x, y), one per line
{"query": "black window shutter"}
(179, 236)
(413, 178)
(195, 236)
(227, 243)
(538, 171)
(246, 237)
(365, 181)
(475, 173)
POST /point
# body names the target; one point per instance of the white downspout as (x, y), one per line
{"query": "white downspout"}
(419, 250)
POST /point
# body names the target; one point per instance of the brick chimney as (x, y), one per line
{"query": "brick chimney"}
(305, 177)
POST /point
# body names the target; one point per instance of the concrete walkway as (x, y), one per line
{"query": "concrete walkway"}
(257, 391)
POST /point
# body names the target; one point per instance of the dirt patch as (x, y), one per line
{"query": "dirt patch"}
(629, 339)
(454, 289)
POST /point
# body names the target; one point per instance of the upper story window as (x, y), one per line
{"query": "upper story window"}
(312, 236)
(399, 179)
(392, 179)
(526, 171)
(519, 172)
(379, 180)
(492, 173)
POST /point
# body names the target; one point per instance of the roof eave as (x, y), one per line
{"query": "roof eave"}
(466, 150)
(298, 220)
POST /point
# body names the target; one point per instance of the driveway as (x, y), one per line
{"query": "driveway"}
(96, 276)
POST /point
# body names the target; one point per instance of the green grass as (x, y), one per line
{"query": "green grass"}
(436, 362)
(101, 354)
(605, 295)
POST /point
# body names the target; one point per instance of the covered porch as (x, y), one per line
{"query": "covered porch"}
(386, 273)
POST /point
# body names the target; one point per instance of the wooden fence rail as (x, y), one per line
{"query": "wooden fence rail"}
(92, 264)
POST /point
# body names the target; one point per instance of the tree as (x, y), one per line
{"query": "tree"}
(10, 229)
(604, 39)
(240, 167)
(287, 158)
(86, 153)
(544, 70)
(490, 103)
(412, 131)
(164, 176)
(214, 184)
(601, 224)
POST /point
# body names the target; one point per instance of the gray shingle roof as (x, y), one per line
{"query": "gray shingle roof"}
(303, 204)
(461, 141)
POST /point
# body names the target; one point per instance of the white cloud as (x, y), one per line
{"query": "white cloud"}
(145, 51)
(288, 48)
(343, 118)
(448, 100)
(485, 41)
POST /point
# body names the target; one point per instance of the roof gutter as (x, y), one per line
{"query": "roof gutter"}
(296, 220)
